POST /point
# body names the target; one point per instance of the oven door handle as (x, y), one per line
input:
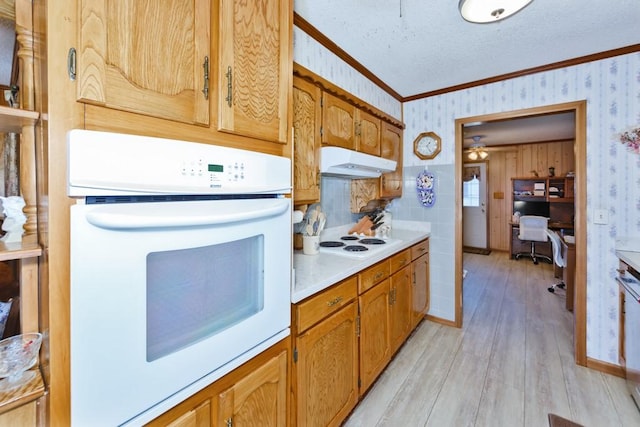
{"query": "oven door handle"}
(184, 214)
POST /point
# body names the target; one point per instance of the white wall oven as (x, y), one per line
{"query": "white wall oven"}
(180, 269)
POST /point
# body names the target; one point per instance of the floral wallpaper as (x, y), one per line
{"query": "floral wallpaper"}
(611, 88)
(315, 57)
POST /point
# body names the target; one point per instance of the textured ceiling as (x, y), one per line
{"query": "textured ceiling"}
(419, 46)
(534, 129)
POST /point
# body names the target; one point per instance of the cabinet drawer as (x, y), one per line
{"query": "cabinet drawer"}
(320, 306)
(420, 249)
(399, 260)
(372, 275)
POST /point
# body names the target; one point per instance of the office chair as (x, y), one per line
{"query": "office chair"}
(557, 258)
(533, 229)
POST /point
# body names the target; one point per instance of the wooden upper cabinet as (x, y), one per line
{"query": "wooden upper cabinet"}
(368, 130)
(391, 148)
(145, 56)
(307, 119)
(338, 122)
(255, 68)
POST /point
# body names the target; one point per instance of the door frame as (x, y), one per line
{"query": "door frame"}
(580, 205)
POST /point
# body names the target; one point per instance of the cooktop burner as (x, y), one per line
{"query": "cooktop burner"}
(355, 248)
(331, 244)
(372, 241)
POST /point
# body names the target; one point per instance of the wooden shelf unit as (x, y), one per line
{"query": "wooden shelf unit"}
(562, 186)
(15, 119)
(19, 406)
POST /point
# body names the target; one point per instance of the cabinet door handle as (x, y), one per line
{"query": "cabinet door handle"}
(334, 301)
(71, 64)
(229, 86)
(205, 66)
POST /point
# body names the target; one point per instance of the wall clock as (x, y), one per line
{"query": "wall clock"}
(427, 145)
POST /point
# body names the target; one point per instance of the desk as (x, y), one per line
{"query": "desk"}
(569, 271)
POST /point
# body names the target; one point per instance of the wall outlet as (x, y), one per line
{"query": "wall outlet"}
(601, 216)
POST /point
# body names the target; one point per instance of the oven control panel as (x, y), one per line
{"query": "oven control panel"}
(216, 174)
(105, 163)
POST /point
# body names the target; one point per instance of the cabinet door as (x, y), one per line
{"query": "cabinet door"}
(368, 133)
(326, 370)
(259, 399)
(197, 417)
(338, 122)
(420, 292)
(375, 351)
(401, 313)
(307, 119)
(255, 68)
(146, 57)
(391, 148)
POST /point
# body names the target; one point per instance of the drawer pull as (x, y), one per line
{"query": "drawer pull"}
(334, 301)
(380, 275)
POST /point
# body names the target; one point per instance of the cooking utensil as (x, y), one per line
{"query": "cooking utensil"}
(323, 221)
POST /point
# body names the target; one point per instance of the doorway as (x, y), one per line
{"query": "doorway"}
(579, 110)
(474, 206)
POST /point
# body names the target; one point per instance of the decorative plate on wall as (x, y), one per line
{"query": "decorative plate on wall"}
(425, 183)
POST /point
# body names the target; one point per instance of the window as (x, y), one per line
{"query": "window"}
(471, 193)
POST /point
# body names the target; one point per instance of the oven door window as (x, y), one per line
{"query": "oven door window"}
(195, 293)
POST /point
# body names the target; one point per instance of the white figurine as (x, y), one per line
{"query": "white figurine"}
(14, 218)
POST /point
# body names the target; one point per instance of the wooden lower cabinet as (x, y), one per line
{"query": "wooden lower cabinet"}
(253, 395)
(375, 334)
(325, 369)
(420, 281)
(259, 399)
(346, 335)
(400, 307)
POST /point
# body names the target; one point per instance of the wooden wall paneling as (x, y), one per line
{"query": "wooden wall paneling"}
(568, 157)
(524, 161)
(502, 166)
(496, 206)
(555, 158)
(542, 159)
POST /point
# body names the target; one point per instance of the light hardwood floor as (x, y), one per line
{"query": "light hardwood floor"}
(510, 365)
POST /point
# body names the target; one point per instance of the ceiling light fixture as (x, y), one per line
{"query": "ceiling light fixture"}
(485, 11)
(477, 150)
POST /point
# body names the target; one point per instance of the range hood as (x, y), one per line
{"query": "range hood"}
(337, 161)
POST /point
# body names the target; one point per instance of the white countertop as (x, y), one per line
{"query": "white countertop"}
(628, 250)
(313, 273)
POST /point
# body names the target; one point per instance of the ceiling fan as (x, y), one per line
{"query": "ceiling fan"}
(477, 150)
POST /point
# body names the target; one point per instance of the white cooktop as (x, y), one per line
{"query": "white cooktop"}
(360, 241)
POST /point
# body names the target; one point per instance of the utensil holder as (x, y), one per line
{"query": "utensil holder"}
(310, 245)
